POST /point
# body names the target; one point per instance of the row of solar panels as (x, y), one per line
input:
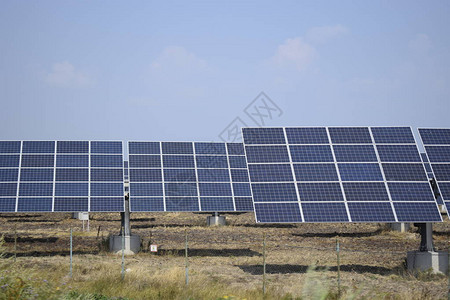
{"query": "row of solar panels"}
(294, 174)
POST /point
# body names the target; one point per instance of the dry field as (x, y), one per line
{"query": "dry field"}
(223, 262)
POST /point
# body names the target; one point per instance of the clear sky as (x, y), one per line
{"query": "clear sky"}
(142, 70)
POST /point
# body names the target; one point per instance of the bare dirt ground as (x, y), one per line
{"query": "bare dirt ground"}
(372, 258)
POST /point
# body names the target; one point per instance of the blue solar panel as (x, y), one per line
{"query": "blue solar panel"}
(360, 172)
(404, 172)
(243, 203)
(70, 204)
(10, 146)
(278, 212)
(371, 212)
(264, 173)
(242, 189)
(144, 161)
(146, 204)
(313, 172)
(217, 203)
(434, 136)
(146, 189)
(274, 192)
(325, 212)
(107, 204)
(365, 191)
(184, 189)
(355, 153)
(408, 191)
(398, 153)
(71, 189)
(437, 146)
(417, 212)
(182, 204)
(350, 135)
(342, 174)
(8, 204)
(57, 175)
(106, 161)
(238, 162)
(67, 161)
(393, 135)
(267, 154)
(212, 161)
(215, 175)
(307, 135)
(144, 148)
(72, 147)
(235, 149)
(38, 147)
(9, 161)
(328, 191)
(106, 147)
(311, 153)
(196, 176)
(267, 136)
(214, 189)
(210, 148)
(42, 161)
(177, 148)
(36, 189)
(178, 161)
(439, 154)
(8, 189)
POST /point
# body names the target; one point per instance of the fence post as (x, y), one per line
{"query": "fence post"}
(186, 258)
(338, 267)
(123, 254)
(15, 242)
(71, 253)
(264, 266)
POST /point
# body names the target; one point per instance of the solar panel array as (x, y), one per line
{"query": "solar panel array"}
(437, 146)
(61, 176)
(338, 174)
(188, 176)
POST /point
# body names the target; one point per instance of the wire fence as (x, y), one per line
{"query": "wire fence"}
(258, 261)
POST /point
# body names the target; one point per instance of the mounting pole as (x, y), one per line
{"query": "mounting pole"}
(426, 236)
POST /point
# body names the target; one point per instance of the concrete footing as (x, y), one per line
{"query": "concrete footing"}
(215, 220)
(426, 260)
(400, 227)
(132, 244)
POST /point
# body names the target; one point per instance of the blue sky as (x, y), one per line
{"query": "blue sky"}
(185, 70)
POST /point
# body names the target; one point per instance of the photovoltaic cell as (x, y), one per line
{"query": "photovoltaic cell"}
(341, 174)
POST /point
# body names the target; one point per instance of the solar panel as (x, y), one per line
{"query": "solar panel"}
(338, 174)
(61, 176)
(436, 142)
(188, 176)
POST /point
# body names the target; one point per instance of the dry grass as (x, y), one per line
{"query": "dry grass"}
(223, 262)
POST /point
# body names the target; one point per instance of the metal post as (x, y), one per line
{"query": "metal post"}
(123, 254)
(264, 266)
(338, 267)
(186, 259)
(15, 242)
(71, 253)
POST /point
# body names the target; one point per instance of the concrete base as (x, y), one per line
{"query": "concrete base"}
(423, 261)
(215, 221)
(400, 227)
(132, 244)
